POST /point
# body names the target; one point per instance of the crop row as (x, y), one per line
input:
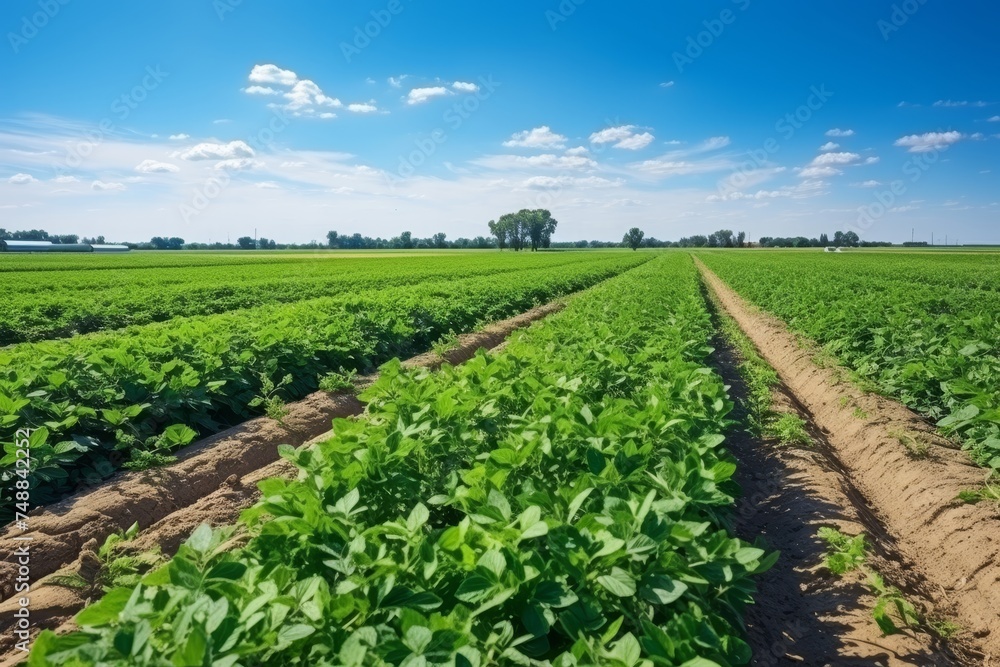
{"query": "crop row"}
(59, 304)
(130, 397)
(560, 503)
(924, 330)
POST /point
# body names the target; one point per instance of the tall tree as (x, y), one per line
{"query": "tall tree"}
(633, 238)
(332, 239)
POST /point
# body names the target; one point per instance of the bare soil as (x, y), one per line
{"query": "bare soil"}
(212, 482)
(940, 551)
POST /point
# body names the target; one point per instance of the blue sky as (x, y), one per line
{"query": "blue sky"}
(206, 119)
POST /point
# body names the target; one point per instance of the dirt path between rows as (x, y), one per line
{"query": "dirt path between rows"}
(933, 546)
(212, 482)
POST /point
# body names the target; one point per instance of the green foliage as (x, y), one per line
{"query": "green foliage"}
(892, 611)
(107, 400)
(445, 344)
(845, 553)
(789, 429)
(563, 502)
(274, 405)
(923, 329)
(338, 381)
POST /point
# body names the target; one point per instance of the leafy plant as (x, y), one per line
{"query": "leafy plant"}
(338, 381)
(274, 406)
(789, 429)
(892, 611)
(845, 553)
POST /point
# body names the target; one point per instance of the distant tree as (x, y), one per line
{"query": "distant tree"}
(439, 240)
(406, 240)
(331, 239)
(266, 244)
(824, 240)
(99, 240)
(4, 234)
(852, 240)
(31, 235)
(246, 243)
(633, 238)
(741, 240)
(66, 238)
(500, 231)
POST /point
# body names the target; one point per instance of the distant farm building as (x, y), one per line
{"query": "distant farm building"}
(48, 246)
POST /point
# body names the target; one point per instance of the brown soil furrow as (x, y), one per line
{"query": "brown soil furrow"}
(905, 493)
(212, 482)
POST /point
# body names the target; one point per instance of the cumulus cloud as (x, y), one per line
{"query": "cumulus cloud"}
(65, 179)
(995, 119)
(579, 150)
(240, 164)
(623, 136)
(273, 74)
(835, 159)
(539, 137)
(837, 132)
(397, 81)
(260, 90)
(465, 87)
(819, 172)
(869, 184)
(367, 107)
(154, 167)
(421, 95)
(930, 141)
(21, 179)
(210, 151)
(667, 84)
(101, 186)
(829, 146)
(179, 137)
(305, 95)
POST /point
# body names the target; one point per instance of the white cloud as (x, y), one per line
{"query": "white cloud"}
(553, 182)
(179, 137)
(21, 179)
(872, 160)
(667, 84)
(579, 150)
(154, 167)
(837, 132)
(421, 95)
(930, 141)
(240, 164)
(636, 142)
(210, 151)
(267, 185)
(464, 87)
(960, 103)
(65, 179)
(819, 172)
(222, 121)
(758, 196)
(539, 137)
(870, 184)
(292, 165)
(273, 74)
(397, 81)
(367, 107)
(260, 90)
(327, 115)
(903, 209)
(544, 161)
(305, 95)
(664, 168)
(995, 119)
(623, 136)
(712, 144)
(829, 146)
(101, 186)
(835, 159)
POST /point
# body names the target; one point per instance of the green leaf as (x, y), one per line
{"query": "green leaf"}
(619, 583)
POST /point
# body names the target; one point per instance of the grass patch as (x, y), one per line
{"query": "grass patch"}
(789, 429)
(845, 553)
(916, 447)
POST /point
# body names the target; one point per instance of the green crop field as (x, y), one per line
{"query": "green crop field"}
(560, 501)
(923, 327)
(566, 499)
(132, 396)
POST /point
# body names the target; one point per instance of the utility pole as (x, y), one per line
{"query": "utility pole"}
(913, 231)
(932, 237)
